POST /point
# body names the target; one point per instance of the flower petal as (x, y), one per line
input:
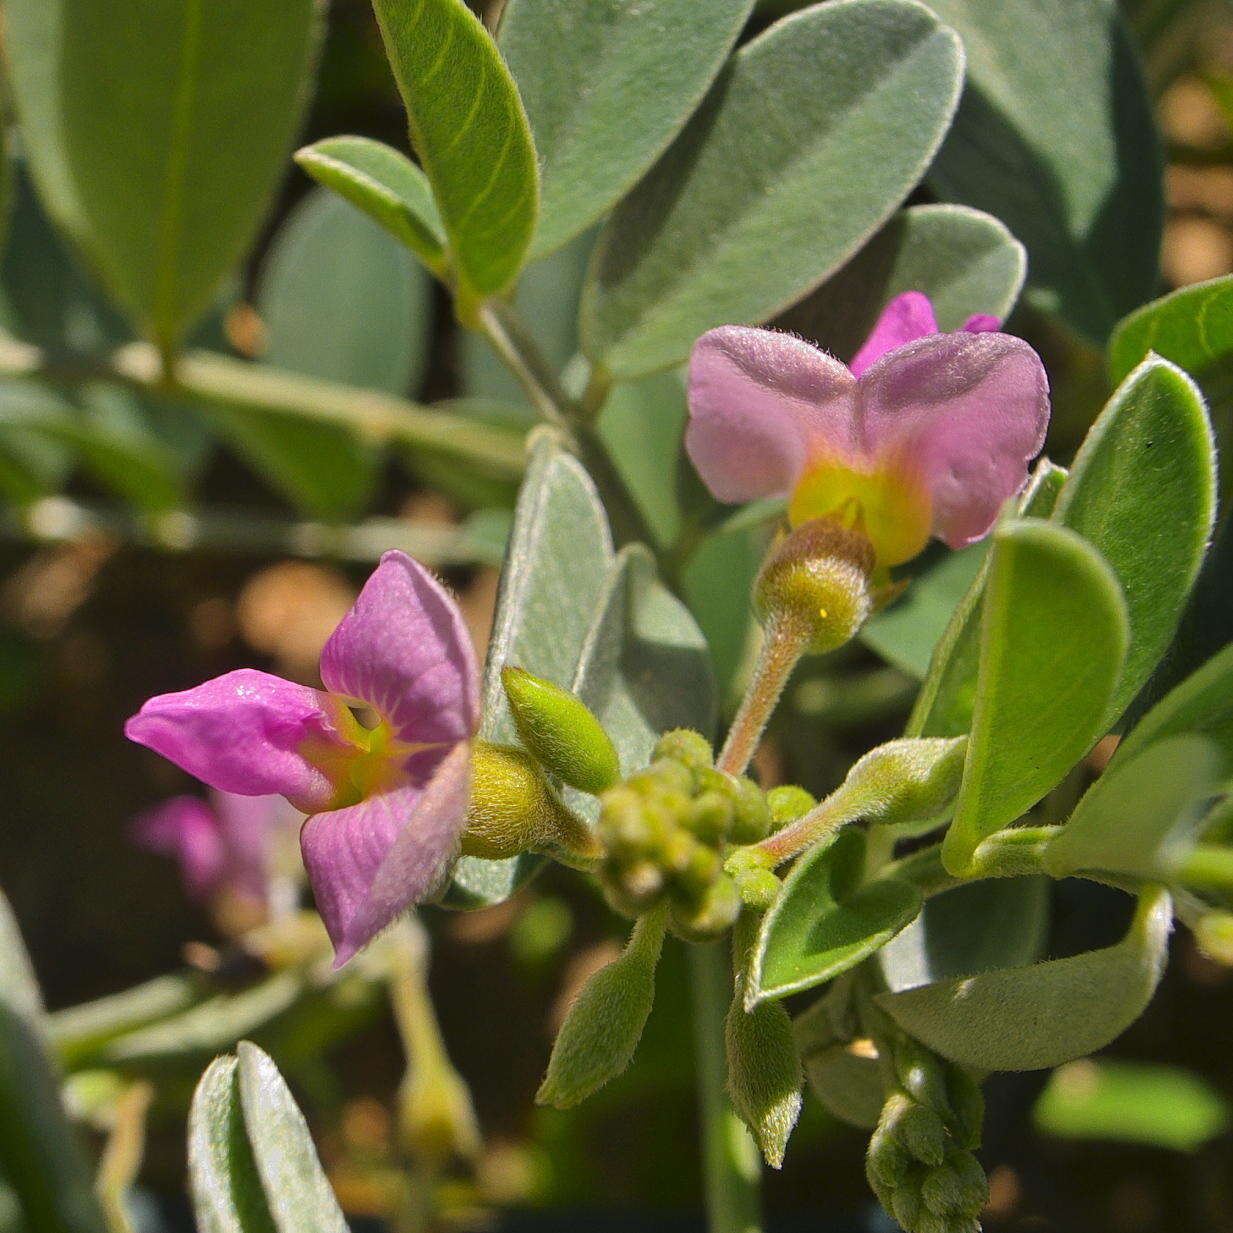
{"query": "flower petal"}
(981, 323)
(186, 829)
(905, 318)
(761, 403)
(247, 732)
(404, 650)
(371, 861)
(964, 414)
(249, 826)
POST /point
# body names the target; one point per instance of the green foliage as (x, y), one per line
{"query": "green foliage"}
(826, 920)
(615, 88)
(386, 185)
(1053, 640)
(470, 131)
(764, 1074)
(163, 187)
(1142, 491)
(1080, 185)
(252, 1165)
(602, 1029)
(725, 227)
(1027, 1018)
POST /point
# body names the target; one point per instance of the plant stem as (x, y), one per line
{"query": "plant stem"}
(731, 1167)
(513, 342)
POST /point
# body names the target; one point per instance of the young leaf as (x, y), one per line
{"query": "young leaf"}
(1142, 491)
(1140, 809)
(555, 574)
(726, 227)
(966, 262)
(1081, 189)
(602, 1029)
(764, 1074)
(470, 131)
(849, 1085)
(618, 85)
(1053, 639)
(164, 187)
(1029, 1018)
(386, 185)
(296, 1189)
(825, 921)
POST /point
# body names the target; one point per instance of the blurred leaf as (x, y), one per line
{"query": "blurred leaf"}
(618, 85)
(726, 227)
(1029, 1018)
(386, 185)
(1053, 640)
(1131, 1102)
(826, 921)
(40, 1156)
(1138, 810)
(848, 1084)
(1079, 184)
(555, 573)
(32, 464)
(941, 942)
(966, 262)
(341, 300)
(1142, 491)
(164, 187)
(470, 131)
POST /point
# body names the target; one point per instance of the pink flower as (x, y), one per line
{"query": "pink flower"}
(924, 433)
(387, 797)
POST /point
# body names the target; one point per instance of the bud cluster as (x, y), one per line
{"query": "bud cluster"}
(665, 829)
(920, 1162)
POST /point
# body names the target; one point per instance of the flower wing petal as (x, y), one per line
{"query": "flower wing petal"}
(761, 403)
(905, 318)
(372, 861)
(186, 829)
(247, 732)
(965, 413)
(404, 650)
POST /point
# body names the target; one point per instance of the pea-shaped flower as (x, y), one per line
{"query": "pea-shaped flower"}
(387, 796)
(924, 433)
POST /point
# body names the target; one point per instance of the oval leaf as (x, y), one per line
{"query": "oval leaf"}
(470, 131)
(620, 81)
(758, 200)
(1030, 1018)
(1052, 642)
(386, 185)
(1142, 491)
(825, 922)
(165, 185)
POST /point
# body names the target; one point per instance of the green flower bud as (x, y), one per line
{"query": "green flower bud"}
(905, 1205)
(922, 1132)
(758, 888)
(907, 780)
(513, 809)
(923, 1075)
(788, 802)
(764, 1073)
(752, 819)
(685, 746)
(1214, 935)
(967, 1103)
(715, 912)
(818, 578)
(958, 1188)
(561, 732)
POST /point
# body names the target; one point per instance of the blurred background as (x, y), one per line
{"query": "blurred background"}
(101, 606)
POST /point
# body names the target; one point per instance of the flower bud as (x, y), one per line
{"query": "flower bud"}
(513, 808)
(685, 746)
(764, 1073)
(1214, 935)
(788, 802)
(818, 578)
(907, 780)
(758, 888)
(561, 732)
(715, 912)
(752, 818)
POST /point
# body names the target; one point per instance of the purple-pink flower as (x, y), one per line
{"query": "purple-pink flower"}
(923, 433)
(387, 793)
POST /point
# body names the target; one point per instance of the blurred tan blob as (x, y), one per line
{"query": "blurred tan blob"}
(578, 971)
(288, 610)
(1189, 114)
(1196, 249)
(43, 594)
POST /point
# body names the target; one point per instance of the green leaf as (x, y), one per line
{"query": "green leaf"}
(1029, 1018)
(1131, 1102)
(848, 1084)
(470, 131)
(341, 300)
(941, 942)
(966, 262)
(1080, 185)
(40, 1156)
(758, 200)
(386, 185)
(164, 187)
(618, 85)
(1053, 639)
(764, 1074)
(825, 921)
(944, 705)
(602, 1029)
(1142, 491)
(1140, 810)
(554, 577)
